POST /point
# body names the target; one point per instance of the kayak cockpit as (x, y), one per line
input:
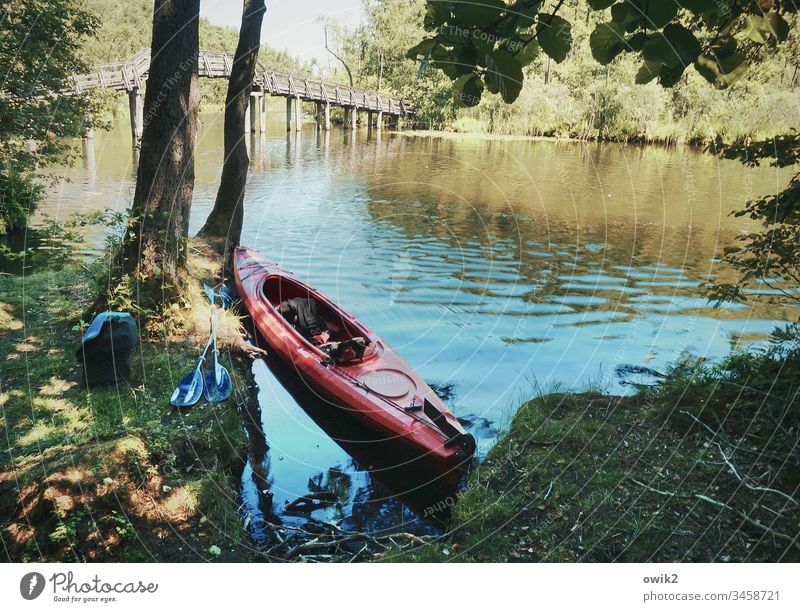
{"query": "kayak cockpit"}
(343, 329)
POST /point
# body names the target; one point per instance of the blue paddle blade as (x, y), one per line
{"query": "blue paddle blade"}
(217, 385)
(189, 389)
(227, 296)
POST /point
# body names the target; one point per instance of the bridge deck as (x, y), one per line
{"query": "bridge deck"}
(131, 74)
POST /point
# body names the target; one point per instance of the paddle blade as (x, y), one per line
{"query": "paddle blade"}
(188, 390)
(227, 296)
(217, 386)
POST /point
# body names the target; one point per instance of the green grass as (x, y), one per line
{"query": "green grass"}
(589, 477)
(105, 474)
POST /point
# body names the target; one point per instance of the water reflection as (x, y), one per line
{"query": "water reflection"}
(365, 481)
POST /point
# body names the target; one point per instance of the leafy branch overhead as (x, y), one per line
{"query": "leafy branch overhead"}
(486, 44)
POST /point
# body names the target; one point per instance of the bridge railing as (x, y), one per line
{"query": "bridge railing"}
(131, 75)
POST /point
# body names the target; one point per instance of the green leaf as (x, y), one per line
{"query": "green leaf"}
(421, 49)
(555, 36)
(478, 12)
(721, 72)
(780, 27)
(525, 12)
(636, 42)
(508, 25)
(456, 34)
(760, 28)
(436, 14)
(670, 75)
(607, 41)
(756, 28)
(503, 74)
(698, 6)
(527, 52)
(772, 24)
(659, 13)
(467, 90)
(647, 72)
(599, 5)
(621, 12)
(456, 62)
(675, 45)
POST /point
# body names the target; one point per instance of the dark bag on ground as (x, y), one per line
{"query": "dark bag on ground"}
(106, 348)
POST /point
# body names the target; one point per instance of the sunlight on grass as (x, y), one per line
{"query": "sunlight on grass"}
(56, 386)
(36, 434)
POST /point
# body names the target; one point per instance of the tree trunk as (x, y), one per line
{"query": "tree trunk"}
(148, 268)
(223, 228)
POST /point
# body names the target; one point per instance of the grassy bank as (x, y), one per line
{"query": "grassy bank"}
(705, 469)
(113, 474)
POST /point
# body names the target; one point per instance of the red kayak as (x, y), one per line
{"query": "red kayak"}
(354, 370)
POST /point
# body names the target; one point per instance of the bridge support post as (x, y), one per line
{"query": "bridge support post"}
(354, 118)
(247, 114)
(136, 108)
(298, 114)
(262, 114)
(379, 124)
(87, 143)
(289, 114)
(254, 113)
(318, 115)
(327, 123)
(369, 120)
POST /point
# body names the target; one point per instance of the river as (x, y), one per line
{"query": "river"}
(496, 267)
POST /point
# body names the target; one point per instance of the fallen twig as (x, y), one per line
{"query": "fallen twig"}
(665, 493)
(760, 489)
(777, 534)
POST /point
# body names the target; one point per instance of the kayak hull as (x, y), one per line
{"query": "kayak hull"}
(381, 391)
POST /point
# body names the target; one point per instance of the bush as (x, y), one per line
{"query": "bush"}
(19, 196)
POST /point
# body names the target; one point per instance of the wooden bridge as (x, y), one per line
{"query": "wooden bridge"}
(131, 75)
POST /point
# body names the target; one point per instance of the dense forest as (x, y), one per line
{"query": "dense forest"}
(577, 97)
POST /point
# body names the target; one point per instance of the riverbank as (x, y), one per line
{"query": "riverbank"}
(703, 470)
(477, 131)
(112, 474)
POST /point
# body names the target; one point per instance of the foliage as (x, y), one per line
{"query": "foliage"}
(772, 256)
(748, 397)
(577, 97)
(378, 48)
(67, 243)
(487, 44)
(39, 50)
(19, 195)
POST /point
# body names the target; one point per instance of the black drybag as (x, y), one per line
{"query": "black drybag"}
(106, 348)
